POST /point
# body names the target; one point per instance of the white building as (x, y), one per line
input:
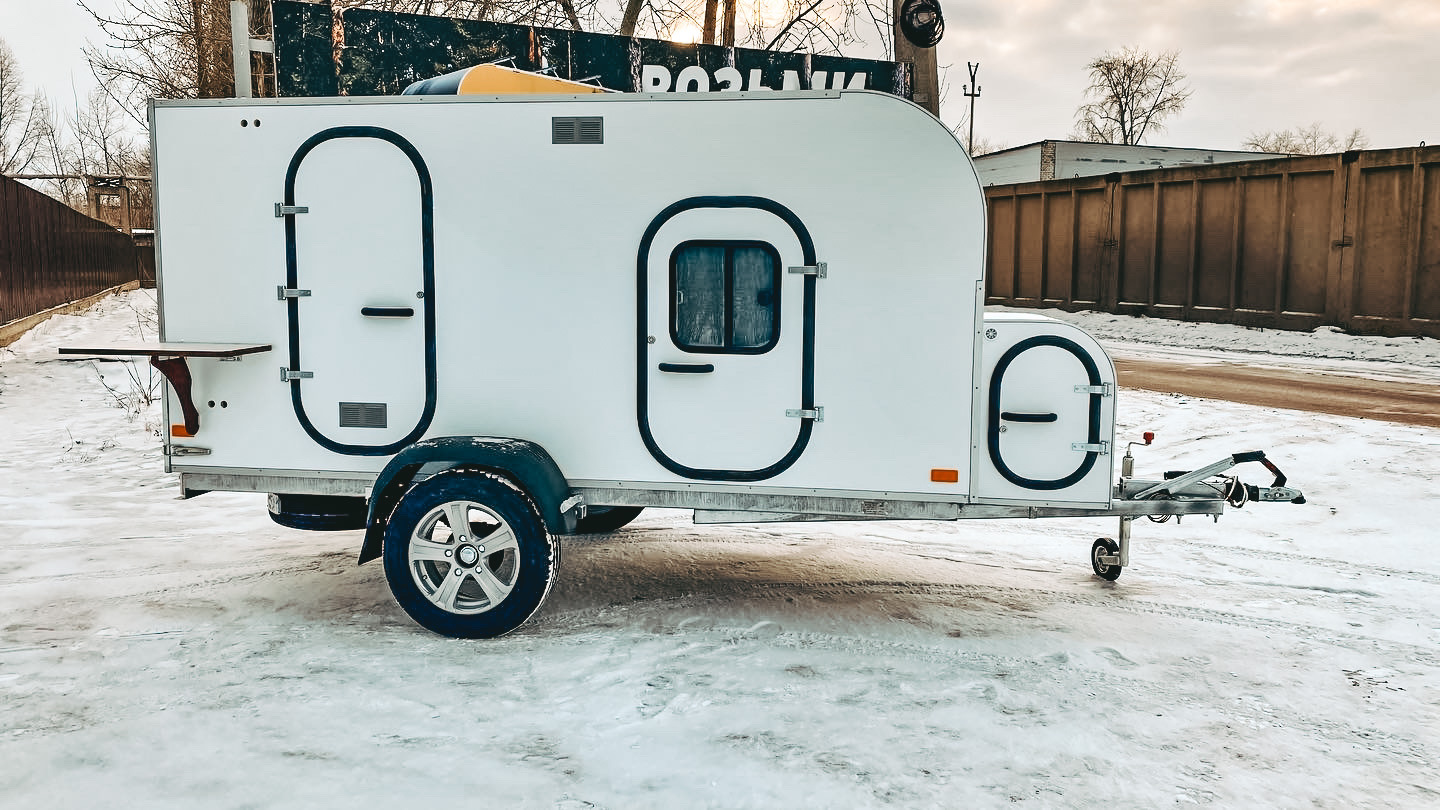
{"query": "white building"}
(1052, 160)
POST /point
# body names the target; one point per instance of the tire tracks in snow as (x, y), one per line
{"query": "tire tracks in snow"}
(1099, 684)
(1327, 563)
(780, 590)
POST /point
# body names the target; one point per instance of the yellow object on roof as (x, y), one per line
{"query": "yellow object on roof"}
(497, 80)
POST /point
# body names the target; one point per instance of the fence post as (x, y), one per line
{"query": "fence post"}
(1110, 279)
(1347, 168)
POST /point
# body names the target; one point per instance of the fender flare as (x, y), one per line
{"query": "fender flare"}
(524, 463)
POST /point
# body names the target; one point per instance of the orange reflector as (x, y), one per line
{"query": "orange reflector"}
(179, 431)
(945, 476)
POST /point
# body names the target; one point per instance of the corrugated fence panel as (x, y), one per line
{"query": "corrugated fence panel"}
(1059, 247)
(1427, 274)
(1380, 243)
(1000, 280)
(1350, 239)
(1215, 243)
(1176, 231)
(1092, 243)
(1030, 253)
(1309, 235)
(1260, 242)
(1137, 243)
(51, 254)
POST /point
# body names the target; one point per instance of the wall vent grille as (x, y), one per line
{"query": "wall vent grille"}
(583, 129)
(363, 414)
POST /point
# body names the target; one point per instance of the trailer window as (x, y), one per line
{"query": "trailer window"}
(725, 297)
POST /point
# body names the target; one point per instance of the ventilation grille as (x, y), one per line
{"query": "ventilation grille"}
(587, 129)
(362, 414)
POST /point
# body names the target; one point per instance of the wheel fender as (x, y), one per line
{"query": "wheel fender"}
(525, 463)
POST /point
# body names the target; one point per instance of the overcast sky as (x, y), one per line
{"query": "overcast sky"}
(1254, 65)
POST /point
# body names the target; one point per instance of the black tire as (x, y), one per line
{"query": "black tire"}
(500, 587)
(606, 519)
(1106, 546)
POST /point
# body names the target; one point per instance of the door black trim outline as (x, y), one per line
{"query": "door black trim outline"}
(807, 363)
(292, 305)
(1092, 372)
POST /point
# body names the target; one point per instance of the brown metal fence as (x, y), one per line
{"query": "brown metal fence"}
(51, 254)
(1350, 240)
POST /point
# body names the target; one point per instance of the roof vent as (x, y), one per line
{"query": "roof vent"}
(583, 129)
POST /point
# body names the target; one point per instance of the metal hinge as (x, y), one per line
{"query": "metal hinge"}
(287, 375)
(185, 450)
(282, 292)
(1103, 448)
(818, 270)
(817, 413)
(1103, 389)
(283, 210)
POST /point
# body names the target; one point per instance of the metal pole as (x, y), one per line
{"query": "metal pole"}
(240, 46)
(974, 68)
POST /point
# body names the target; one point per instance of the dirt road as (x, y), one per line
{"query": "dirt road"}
(1414, 403)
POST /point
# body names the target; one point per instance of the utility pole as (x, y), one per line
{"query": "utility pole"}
(196, 18)
(925, 80)
(972, 91)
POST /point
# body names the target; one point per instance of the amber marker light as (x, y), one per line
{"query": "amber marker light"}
(945, 476)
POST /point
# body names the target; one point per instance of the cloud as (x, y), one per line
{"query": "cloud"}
(1254, 64)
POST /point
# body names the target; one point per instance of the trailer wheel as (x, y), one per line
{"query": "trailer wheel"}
(467, 555)
(1107, 547)
(606, 519)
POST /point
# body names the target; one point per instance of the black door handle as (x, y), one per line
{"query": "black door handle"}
(387, 312)
(1011, 416)
(687, 368)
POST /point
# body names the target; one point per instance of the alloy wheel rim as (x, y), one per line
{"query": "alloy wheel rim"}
(464, 558)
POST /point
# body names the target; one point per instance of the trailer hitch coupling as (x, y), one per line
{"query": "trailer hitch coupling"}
(1236, 491)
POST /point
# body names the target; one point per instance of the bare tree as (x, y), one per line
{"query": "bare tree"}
(1131, 93)
(163, 49)
(1309, 140)
(820, 26)
(24, 118)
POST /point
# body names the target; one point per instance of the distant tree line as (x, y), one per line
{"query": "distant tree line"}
(92, 138)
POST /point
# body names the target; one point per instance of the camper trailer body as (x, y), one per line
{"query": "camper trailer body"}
(540, 282)
(759, 306)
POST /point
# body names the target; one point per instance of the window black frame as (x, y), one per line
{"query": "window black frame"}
(728, 270)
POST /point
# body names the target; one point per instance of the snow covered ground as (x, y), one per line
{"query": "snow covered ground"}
(165, 653)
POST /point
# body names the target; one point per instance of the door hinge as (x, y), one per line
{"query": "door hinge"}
(817, 413)
(282, 292)
(288, 375)
(283, 210)
(1103, 389)
(818, 270)
(1103, 448)
(185, 450)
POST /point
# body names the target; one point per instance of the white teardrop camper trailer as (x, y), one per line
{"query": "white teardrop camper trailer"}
(470, 325)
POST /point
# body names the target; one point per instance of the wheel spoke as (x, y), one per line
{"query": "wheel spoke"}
(458, 515)
(500, 540)
(494, 589)
(444, 595)
(422, 549)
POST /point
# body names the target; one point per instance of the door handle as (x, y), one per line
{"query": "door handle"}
(387, 312)
(687, 368)
(1011, 416)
